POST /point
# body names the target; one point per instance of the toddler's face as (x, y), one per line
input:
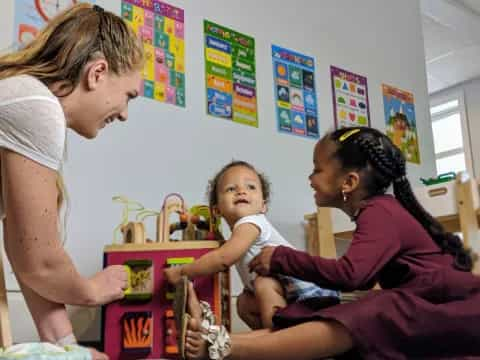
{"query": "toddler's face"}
(326, 177)
(239, 194)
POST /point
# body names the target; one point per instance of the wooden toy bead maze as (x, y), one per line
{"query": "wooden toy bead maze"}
(173, 203)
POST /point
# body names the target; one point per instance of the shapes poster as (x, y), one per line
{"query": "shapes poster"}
(32, 15)
(401, 126)
(295, 95)
(350, 98)
(161, 28)
(230, 74)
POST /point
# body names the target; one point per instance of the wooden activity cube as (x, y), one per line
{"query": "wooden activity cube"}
(153, 315)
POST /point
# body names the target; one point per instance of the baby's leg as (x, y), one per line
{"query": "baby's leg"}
(247, 309)
(270, 297)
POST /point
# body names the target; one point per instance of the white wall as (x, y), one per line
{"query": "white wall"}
(163, 149)
(471, 96)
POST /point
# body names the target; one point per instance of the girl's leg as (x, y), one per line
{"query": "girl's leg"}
(312, 340)
(247, 310)
(270, 297)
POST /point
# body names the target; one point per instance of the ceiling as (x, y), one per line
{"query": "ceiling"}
(451, 31)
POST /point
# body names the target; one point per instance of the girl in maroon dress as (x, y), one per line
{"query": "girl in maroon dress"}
(429, 305)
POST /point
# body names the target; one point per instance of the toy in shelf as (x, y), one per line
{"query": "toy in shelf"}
(137, 332)
(140, 280)
(170, 341)
(170, 293)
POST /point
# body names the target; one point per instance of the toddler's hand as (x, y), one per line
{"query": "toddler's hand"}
(109, 284)
(173, 274)
(261, 263)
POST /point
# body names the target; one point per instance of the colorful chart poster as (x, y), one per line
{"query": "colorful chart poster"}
(295, 95)
(401, 125)
(350, 98)
(230, 74)
(161, 28)
(32, 15)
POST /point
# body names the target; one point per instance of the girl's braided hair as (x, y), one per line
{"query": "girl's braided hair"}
(381, 164)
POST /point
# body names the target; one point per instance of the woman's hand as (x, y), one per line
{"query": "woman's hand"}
(261, 263)
(173, 274)
(109, 284)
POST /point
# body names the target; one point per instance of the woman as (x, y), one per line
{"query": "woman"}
(80, 73)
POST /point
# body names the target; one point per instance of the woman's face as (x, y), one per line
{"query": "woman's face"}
(104, 102)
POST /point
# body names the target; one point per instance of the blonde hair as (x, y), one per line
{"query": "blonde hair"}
(78, 35)
(61, 50)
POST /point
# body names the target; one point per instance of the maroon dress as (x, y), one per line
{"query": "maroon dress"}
(426, 310)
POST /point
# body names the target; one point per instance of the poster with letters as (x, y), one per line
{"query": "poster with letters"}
(230, 78)
(295, 93)
(161, 28)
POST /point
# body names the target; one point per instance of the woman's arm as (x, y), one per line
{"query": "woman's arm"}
(51, 319)
(220, 259)
(32, 240)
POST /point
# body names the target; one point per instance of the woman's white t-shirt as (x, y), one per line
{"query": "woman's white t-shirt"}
(32, 122)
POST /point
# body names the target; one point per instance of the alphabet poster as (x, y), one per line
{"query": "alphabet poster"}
(401, 127)
(161, 28)
(350, 98)
(230, 74)
(295, 95)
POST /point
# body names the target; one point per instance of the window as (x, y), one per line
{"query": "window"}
(450, 133)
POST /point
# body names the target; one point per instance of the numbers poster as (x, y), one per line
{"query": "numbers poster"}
(295, 95)
(161, 28)
(230, 74)
(401, 127)
(350, 98)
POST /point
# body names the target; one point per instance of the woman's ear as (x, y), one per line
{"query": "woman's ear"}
(351, 182)
(95, 73)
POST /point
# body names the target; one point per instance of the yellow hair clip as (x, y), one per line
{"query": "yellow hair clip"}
(349, 133)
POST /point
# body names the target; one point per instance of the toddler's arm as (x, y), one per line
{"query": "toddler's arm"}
(220, 259)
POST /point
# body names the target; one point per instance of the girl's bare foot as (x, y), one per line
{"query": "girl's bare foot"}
(195, 345)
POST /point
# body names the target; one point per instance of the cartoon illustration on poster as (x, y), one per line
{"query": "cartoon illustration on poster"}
(401, 125)
(295, 94)
(33, 15)
(350, 98)
(161, 28)
(230, 74)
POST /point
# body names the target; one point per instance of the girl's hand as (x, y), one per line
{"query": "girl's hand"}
(261, 263)
(173, 274)
(109, 284)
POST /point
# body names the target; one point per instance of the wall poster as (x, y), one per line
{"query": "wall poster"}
(231, 83)
(295, 94)
(350, 98)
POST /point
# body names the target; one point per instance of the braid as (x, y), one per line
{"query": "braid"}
(385, 164)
